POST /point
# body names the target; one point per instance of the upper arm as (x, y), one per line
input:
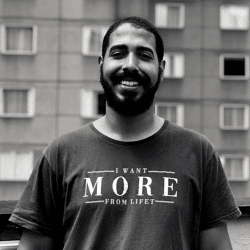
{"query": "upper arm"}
(215, 238)
(31, 240)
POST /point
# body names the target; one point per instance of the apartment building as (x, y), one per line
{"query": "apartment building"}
(49, 76)
(207, 78)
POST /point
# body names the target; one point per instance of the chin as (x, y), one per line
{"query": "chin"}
(128, 104)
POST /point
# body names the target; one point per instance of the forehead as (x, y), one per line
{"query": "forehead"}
(129, 35)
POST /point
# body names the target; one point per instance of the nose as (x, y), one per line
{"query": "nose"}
(130, 63)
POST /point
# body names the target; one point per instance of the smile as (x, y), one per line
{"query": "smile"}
(130, 83)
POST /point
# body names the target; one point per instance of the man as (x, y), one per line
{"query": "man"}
(129, 180)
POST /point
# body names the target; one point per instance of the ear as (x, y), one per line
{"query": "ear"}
(100, 60)
(162, 67)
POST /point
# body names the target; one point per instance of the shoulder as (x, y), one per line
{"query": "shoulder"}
(188, 136)
(183, 140)
(70, 142)
(74, 136)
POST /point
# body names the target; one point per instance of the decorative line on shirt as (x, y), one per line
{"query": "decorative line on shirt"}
(94, 201)
(104, 171)
(164, 201)
(161, 172)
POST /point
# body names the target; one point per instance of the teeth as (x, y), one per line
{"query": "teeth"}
(128, 83)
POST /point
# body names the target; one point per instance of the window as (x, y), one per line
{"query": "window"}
(234, 67)
(15, 165)
(236, 167)
(169, 15)
(19, 39)
(174, 65)
(173, 112)
(234, 17)
(17, 103)
(92, 40)
(93, 103)
(234, 116)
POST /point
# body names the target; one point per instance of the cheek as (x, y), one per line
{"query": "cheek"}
(110, 67)
(154, 73)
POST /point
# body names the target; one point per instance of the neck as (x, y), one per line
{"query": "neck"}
(129, 128)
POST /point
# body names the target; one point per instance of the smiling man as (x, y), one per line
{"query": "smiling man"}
(129, 180)
(132, 70)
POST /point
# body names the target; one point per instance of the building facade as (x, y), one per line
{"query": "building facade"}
(49, 76)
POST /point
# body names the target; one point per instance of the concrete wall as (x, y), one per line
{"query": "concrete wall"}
(59, 70)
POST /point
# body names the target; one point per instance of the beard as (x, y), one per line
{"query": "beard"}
(129, 105)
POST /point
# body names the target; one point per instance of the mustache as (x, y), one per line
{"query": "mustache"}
(129, 76)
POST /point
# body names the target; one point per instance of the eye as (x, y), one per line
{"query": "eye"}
(117, 54)
(145, 56)
(145, 53)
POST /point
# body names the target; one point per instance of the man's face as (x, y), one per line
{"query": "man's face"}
(130, 71)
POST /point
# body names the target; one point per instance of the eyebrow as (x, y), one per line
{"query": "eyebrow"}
(118, 47)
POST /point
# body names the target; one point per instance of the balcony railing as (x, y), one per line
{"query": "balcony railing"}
(10, 233)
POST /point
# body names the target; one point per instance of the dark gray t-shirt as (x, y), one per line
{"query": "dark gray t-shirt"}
(93, 192)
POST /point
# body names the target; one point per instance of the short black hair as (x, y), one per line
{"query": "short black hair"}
(139, 23)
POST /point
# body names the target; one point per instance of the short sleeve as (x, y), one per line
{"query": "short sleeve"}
(218, 204)
(37, 207)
